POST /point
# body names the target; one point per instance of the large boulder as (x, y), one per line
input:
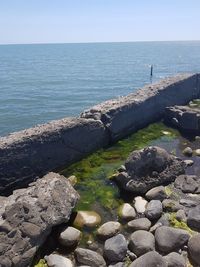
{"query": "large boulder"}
(149, 167)
(27, 217)
(184, 117)
(170, 239)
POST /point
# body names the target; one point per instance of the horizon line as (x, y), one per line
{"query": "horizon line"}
(98, 42)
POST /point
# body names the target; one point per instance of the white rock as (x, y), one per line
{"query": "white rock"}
(70, 237)
(55, 260)
(140, 204)
(126, 211)
(87, 218)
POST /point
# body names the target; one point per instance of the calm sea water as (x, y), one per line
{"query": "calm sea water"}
(39, 83)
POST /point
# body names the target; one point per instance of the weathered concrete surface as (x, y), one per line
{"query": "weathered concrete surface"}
(28, 154)
(27, 217)
(183, 117)
(127, 114)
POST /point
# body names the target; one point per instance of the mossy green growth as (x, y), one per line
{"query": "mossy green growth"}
(93, 172)
(41, 263)
(179, 224)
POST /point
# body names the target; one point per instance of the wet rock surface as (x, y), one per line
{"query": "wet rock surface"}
(148, 168)
(27, 218)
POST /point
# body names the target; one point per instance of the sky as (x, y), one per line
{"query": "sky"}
(72, 21)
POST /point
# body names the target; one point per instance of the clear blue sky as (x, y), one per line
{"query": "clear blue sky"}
(61, 21)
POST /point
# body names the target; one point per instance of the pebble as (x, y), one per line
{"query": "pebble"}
(108, 229)
(140, 204)
(127, 212)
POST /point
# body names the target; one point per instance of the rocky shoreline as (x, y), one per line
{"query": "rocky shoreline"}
(159, 225)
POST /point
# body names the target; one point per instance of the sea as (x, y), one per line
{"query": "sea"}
(44, 82)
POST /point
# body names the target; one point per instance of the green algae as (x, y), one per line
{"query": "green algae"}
(93, 172)
(179, 224)
(41, 263)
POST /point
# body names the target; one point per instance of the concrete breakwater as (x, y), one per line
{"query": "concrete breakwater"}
(31, 153)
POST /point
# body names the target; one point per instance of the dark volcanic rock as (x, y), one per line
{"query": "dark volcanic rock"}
(150, 259)
(115, 248)
(27, 217)
(89, 257)
(148, 168)
(170, 239)
(141, 242)
(187, 183)
(193, 219)
(183, 117)
(194, 248)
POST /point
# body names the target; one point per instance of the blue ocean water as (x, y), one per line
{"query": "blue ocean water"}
(39, 83)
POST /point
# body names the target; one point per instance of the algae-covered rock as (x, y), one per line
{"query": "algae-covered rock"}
(87, 218)
(148, 168)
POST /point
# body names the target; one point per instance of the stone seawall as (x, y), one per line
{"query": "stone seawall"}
(28, 154)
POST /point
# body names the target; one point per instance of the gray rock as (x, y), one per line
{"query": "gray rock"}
(188, 151)
(150, 259)
(27, 217)
(148, 168)
(55, 260)
(164, 220)
(171, 205)
(170, 239)
(181, 216)
(154, 227)
(139, 224)
(154, 210)
(141, 242)
(194, 248)
(187, 117)
(70, 236)
(156, 193)
(193, 219)
(108, 229)
(187, 183)
(175, 260)
(188, 203)
(119, 264)
(89, 257)
(115, 248)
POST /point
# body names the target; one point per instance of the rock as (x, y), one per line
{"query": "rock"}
(154, 227)
(127, 212)
(188, 203)
(187, 183)
(148, 168)
(154, 210)
(150, 259)
(171, 205)
(70, 237)
(197, 152)
(164, 220)
(115, 248)
(140, 204)
(89, 257)
(55, 260)
(27, 217)
(194, 248)
(119, 264)
(156, 193)
(170, 239)
(188, 162)
(175, 260)
(139, 224)
(87, 218)
(122, 168)
(187, 151)
(186, 118)
(73, 179)
(108, 229)
(181, 216)
(193, 218)
(141, 242)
